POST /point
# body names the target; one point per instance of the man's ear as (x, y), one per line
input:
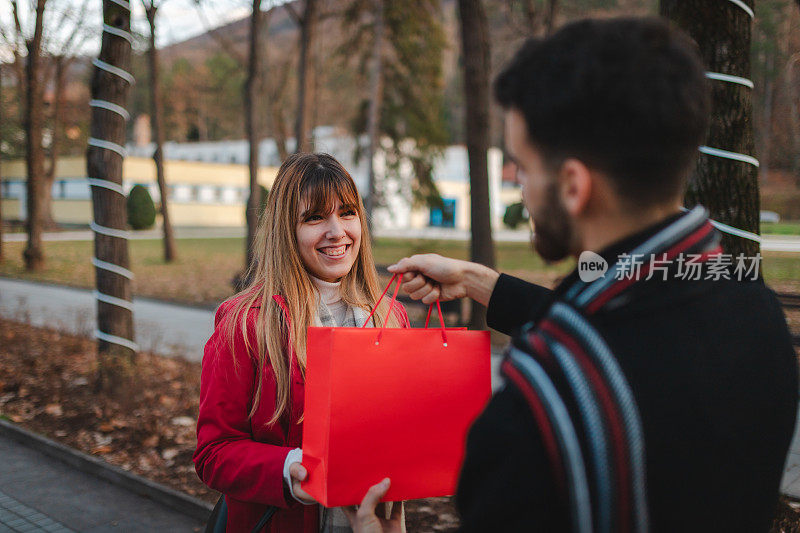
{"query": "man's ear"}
(575, 186)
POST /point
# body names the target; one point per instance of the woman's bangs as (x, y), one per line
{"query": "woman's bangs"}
(323, 188)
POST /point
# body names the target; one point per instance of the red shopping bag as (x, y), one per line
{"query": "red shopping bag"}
(391, 403)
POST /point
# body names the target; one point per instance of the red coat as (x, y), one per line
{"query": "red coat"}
(240, 457)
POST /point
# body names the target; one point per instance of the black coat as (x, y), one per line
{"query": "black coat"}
(715, 377)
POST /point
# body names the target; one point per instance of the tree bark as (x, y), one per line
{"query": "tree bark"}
(279, 128)
(550, 17)
(151, 11)
(766, 123)
(375, 100)
(475, 49)
(250, 130)
(2, 117)
(794, 113)
(19, 62)
(34, 151)
(115, 362)
(302, 127)
(48, 221)
(727, 188)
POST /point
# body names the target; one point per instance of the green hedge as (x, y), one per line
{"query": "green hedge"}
(515, 215)
(141, 209)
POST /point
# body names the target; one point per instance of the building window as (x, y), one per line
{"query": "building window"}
(230, 195)
(182, 193)
(444, 217)
(207, 194)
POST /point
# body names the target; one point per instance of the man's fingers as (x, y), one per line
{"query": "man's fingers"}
(298, 471)
(415, 263)
(414, 284)
(432, 296)
(422, 291)
(406, 264)
(373, 497)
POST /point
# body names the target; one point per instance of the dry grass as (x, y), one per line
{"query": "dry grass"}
(205, 267)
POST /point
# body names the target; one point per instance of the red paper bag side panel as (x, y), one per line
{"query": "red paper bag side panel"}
(317, 406)
(400, 409)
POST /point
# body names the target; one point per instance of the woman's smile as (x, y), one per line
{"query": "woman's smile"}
(328, 242)
(334, 252)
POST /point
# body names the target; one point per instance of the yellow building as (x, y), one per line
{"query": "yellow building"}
(201, 193)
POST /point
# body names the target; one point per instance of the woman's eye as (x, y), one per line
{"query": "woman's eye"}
(349, 213)
(313, 218)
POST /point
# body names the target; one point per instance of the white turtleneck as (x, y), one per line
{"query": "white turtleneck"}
(332, 298)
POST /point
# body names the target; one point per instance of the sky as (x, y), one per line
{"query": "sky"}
(177, 19)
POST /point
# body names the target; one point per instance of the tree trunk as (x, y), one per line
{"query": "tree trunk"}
(475, 49)
(116, 353)
(550, 17)
(55, 145)
(302, 127)
(766, 123)
(727, 188)
(280, 73)
(34, 151)
(158, 132)
(375, 100)
(794, 113)
(250, 129)
(2, 117)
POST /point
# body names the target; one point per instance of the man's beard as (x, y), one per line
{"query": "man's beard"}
(554, 235)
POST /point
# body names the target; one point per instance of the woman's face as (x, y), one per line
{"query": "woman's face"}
(328, 243)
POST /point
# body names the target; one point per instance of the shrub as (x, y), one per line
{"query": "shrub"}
(141, 209)
(262, 205)
(515, 215)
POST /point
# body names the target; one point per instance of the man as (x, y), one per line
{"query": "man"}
(603, 120)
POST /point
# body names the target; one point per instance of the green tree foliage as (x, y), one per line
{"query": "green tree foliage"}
(223, 93)
(263, 205)
(141, 209)
(412, 123)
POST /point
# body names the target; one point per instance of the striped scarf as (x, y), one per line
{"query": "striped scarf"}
(578, 395)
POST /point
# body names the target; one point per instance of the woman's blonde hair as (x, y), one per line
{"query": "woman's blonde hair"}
(317, 180)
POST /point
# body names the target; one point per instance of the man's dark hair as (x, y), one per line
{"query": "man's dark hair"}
(626, 96)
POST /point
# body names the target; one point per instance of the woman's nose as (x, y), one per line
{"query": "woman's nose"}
(335, 229)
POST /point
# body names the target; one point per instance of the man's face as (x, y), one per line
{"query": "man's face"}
(554, 233)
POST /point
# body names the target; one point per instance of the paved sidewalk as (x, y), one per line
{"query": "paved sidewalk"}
(790, 485)
(41, 494)
(158, 327)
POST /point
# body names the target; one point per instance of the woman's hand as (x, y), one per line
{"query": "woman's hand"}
(364, 520)
(298, 473)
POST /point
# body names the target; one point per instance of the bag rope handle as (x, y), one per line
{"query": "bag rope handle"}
(391, 304)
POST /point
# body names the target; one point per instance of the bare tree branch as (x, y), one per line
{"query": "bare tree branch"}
(299, 20)
(224, 43)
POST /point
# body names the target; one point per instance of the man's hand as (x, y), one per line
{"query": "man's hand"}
(298, 473)
(429, 277)
(364, 520)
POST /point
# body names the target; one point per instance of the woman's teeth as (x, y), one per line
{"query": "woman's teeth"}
(334, 252)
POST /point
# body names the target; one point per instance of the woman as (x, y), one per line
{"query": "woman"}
(313, 266)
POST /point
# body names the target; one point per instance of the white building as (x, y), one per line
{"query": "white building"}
(450, 172)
